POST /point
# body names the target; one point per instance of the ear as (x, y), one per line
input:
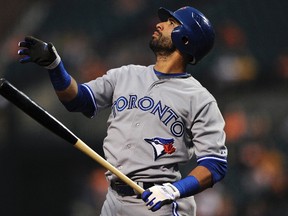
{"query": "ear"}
(185, 40)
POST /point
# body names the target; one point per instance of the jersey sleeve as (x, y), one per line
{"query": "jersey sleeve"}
(208, 133)
(102, 89)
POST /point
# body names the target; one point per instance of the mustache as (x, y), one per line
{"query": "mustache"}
(158, 32)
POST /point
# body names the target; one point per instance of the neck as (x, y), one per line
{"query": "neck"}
(173, 63)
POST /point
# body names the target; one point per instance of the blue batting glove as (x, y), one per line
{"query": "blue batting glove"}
(157, 196)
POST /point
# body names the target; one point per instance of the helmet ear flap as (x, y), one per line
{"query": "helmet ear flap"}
(182, 40)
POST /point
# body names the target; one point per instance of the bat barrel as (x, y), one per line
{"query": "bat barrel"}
(27, 105)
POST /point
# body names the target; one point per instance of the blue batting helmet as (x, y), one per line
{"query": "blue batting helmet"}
(195, 34)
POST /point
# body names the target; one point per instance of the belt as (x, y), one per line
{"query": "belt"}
(125, 190)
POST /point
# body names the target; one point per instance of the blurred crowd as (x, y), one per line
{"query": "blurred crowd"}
(247, 74)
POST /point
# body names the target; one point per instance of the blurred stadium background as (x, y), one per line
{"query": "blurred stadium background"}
(247, 72)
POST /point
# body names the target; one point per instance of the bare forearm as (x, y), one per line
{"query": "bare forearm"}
(203, 175)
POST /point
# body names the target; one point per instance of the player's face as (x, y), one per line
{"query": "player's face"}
(161, 42)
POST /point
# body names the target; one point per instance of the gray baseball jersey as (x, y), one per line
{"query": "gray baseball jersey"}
(156, 123)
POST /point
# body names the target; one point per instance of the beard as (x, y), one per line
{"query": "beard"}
(162, 46)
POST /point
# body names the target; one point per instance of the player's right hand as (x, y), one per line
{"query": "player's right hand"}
(157, 196)
(39, 52)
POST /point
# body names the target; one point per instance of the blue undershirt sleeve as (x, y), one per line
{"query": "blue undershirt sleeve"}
(217, 167)
(84, 102)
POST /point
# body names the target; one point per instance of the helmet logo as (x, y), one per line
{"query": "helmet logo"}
(183, 8)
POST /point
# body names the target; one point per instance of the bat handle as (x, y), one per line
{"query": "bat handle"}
(80, 145)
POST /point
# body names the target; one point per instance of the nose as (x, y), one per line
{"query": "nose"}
(159, 26)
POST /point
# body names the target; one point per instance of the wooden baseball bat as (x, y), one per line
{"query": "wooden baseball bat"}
(35, 111)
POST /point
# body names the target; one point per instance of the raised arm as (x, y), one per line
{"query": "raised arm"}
(74, 97)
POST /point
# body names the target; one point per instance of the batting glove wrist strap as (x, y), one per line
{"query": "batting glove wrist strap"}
(157, 196)
(56, 62)
(172, 190)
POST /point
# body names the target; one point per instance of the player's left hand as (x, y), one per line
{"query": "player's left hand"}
(39, 52)
(157, 196)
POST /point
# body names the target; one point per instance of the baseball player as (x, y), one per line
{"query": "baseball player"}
(160, 117)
